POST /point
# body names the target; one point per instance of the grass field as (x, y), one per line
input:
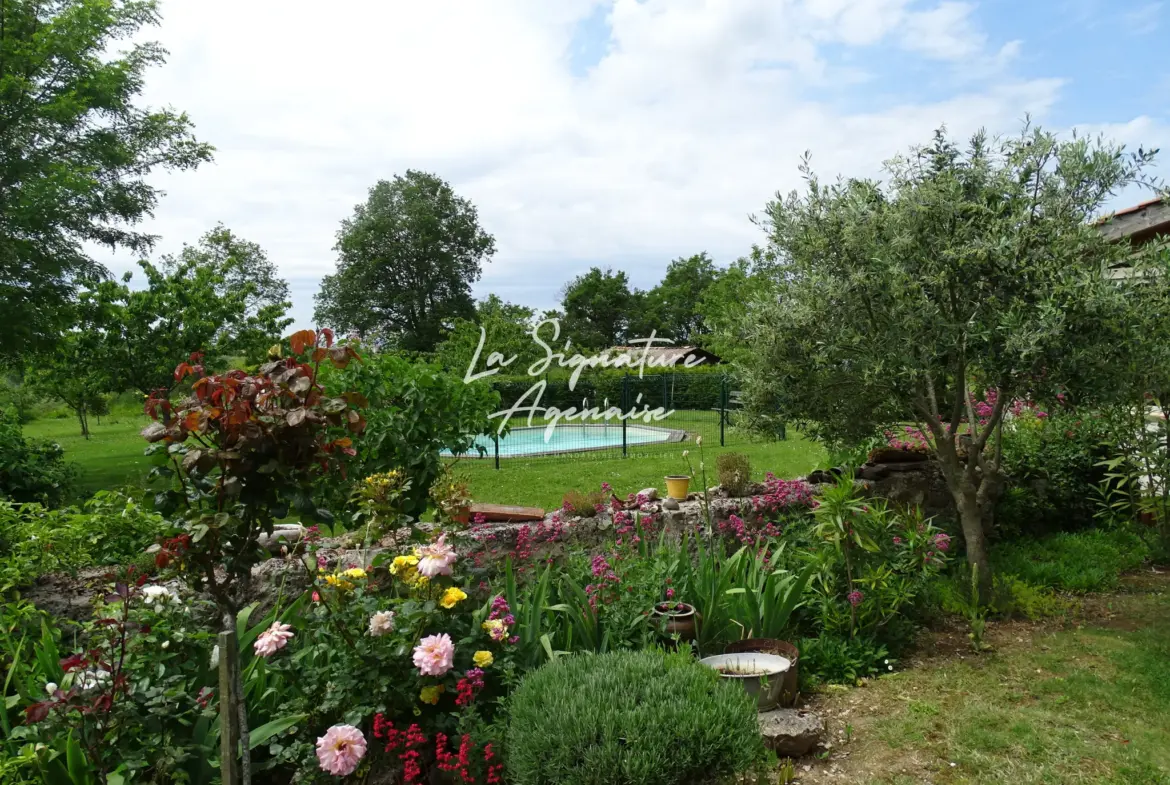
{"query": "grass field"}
(1077, 704)
(112, 457)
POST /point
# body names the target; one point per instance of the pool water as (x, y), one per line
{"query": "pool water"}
(570, 438)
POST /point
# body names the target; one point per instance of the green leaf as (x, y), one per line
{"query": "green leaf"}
(270, 729)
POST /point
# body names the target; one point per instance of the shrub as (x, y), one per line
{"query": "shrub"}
(31, 470)
(110, 528)
(416, 410)
(585, 504)
(1073, 561)
(735, 472)
(838, 659)
(1053, 466)
(635, 718)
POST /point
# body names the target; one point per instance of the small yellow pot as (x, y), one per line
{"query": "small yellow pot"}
(676, 486)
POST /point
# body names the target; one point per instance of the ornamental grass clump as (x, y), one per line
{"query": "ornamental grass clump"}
(735, 473)
(635, 718)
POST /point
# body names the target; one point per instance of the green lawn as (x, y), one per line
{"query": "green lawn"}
(542, 482)
(1086, 704)
(112, 457)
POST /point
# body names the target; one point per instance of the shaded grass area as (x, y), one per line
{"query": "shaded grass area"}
(112, 457)
(1083, 705)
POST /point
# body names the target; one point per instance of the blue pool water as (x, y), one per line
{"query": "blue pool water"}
(570, 437)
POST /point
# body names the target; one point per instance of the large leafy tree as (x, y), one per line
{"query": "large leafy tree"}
(241, 267)
(75, 150)
(504, 328)
(726, 306)
(406, 261)
(597, 307)
(973, 278)
(673, 305)
(184, 308)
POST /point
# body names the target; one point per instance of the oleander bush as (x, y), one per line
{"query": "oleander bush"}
(634, 718)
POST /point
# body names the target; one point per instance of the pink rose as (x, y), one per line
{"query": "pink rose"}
(434, 655)
(436, 558)
(341, 749)
(273, 639)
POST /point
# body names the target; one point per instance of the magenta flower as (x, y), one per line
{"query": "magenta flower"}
(436, 558)
(434, 655)
(273, 639)
(340, 750)
(670, 594)
(942, 541)
(855, 597)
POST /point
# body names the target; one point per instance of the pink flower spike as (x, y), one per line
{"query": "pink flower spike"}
(437, 558)
(434, 655)
(341, 749)
(273, 639)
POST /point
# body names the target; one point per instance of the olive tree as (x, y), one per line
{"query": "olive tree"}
(970, 278)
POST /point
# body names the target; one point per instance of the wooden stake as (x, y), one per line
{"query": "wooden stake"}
(229, 716)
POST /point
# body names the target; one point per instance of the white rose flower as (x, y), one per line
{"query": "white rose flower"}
(381, 623)
(51, 687)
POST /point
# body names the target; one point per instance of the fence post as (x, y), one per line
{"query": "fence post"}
(229, 715)
(722, 409)
(625, 408)
(496, 439)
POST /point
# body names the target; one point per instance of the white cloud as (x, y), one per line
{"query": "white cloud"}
(696, 116)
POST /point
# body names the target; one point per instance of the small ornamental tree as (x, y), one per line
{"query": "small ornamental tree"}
(243, 451)
(970, 279)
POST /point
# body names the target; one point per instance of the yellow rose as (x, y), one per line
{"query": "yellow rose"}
(403, 563)
(430, 694)
(483, 659)
(338, 583)
(354, 572)
(451, 597)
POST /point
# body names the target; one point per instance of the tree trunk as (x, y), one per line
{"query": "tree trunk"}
(971, 520)
(81, 419)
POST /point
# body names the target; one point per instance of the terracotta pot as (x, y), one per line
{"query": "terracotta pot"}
(790, 689)
(676, 486)
(679, 618)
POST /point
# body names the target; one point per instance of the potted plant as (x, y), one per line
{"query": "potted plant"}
(677, 618)
(452, 496)
(762, 675)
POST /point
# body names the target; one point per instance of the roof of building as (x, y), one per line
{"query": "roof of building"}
(1139, 223)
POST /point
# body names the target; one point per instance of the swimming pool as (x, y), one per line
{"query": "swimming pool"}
(570, 437)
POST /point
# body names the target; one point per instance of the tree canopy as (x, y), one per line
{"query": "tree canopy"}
(973, 278)
(597, 307)
(406, 261)
(75, 151)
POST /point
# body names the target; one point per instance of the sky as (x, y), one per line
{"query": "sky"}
(611, 133)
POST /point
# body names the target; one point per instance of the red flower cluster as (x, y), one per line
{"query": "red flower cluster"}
(408, 742)
(468, 687)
